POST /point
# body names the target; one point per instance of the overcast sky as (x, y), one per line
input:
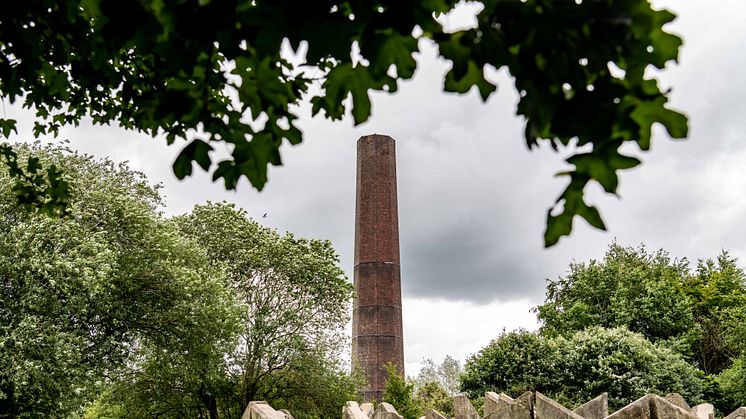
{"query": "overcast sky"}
(473, 200)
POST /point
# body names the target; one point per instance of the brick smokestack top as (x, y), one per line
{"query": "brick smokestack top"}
(377, 336)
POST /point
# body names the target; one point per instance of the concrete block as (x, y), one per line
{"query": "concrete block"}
(678, 400)
(546, 408)
(525, 401)
(493, 402)
(638, 409)
(520, 408)
(368, 409)
(664, 409)
(463, 409)
(385, 411)
(434, 414)
(704, 411)
(739, 413)
(597, 408)
(652, 407)
(352, 411)
(261, 410)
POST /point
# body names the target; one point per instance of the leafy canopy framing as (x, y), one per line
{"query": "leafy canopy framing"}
(204, 70)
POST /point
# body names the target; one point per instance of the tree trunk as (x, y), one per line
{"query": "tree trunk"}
(209, 401)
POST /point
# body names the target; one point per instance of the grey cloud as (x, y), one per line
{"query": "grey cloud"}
(473, 200)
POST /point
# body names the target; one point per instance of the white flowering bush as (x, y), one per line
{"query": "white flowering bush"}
(573, 370)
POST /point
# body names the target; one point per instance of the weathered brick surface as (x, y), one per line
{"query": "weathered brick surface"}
(377, 336)
(377, 224)
(381, 280)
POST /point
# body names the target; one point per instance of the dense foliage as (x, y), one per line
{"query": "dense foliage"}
(699, 313)
(293, 303)
(432, 395)
(207, 71)
(82, 295)
(717, 294)
(576, 369)
(445, 374)
(295, 299)
(399, 391)
(120, 312)
(632, 288)
(432, 388)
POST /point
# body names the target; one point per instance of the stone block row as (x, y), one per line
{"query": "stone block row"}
(534, 405)
(529, 405)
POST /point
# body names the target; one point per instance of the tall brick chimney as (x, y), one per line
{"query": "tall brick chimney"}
(377, 336)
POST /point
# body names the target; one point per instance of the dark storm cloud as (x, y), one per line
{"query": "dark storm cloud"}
(465, 262)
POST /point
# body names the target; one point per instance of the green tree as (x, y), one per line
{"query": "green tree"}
(731, 386)
(623, 364)
(85, 296)
(446, 374)
(699, 313)
(399, 392)
(432, 395)
(717, 291)
(207, 70)
(513, 363)
(295, 303)
(633, 288)
(577, 368)
(313, 387)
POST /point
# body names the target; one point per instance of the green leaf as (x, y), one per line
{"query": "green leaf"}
(619, 161)
(198, 151)
(397, 50)
(572, 205)
(665, 45)
(452, 47)
(474, 76)
(649, 112)
(271, 89)
(557, 226)
(7, 126)
(591, 214)
(596, 167)
(341, 81)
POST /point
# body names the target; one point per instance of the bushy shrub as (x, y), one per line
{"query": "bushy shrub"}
(621, 363)
(399, 392)
(432, 395)
(575, 369)
(731, 384)
(512, 363)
